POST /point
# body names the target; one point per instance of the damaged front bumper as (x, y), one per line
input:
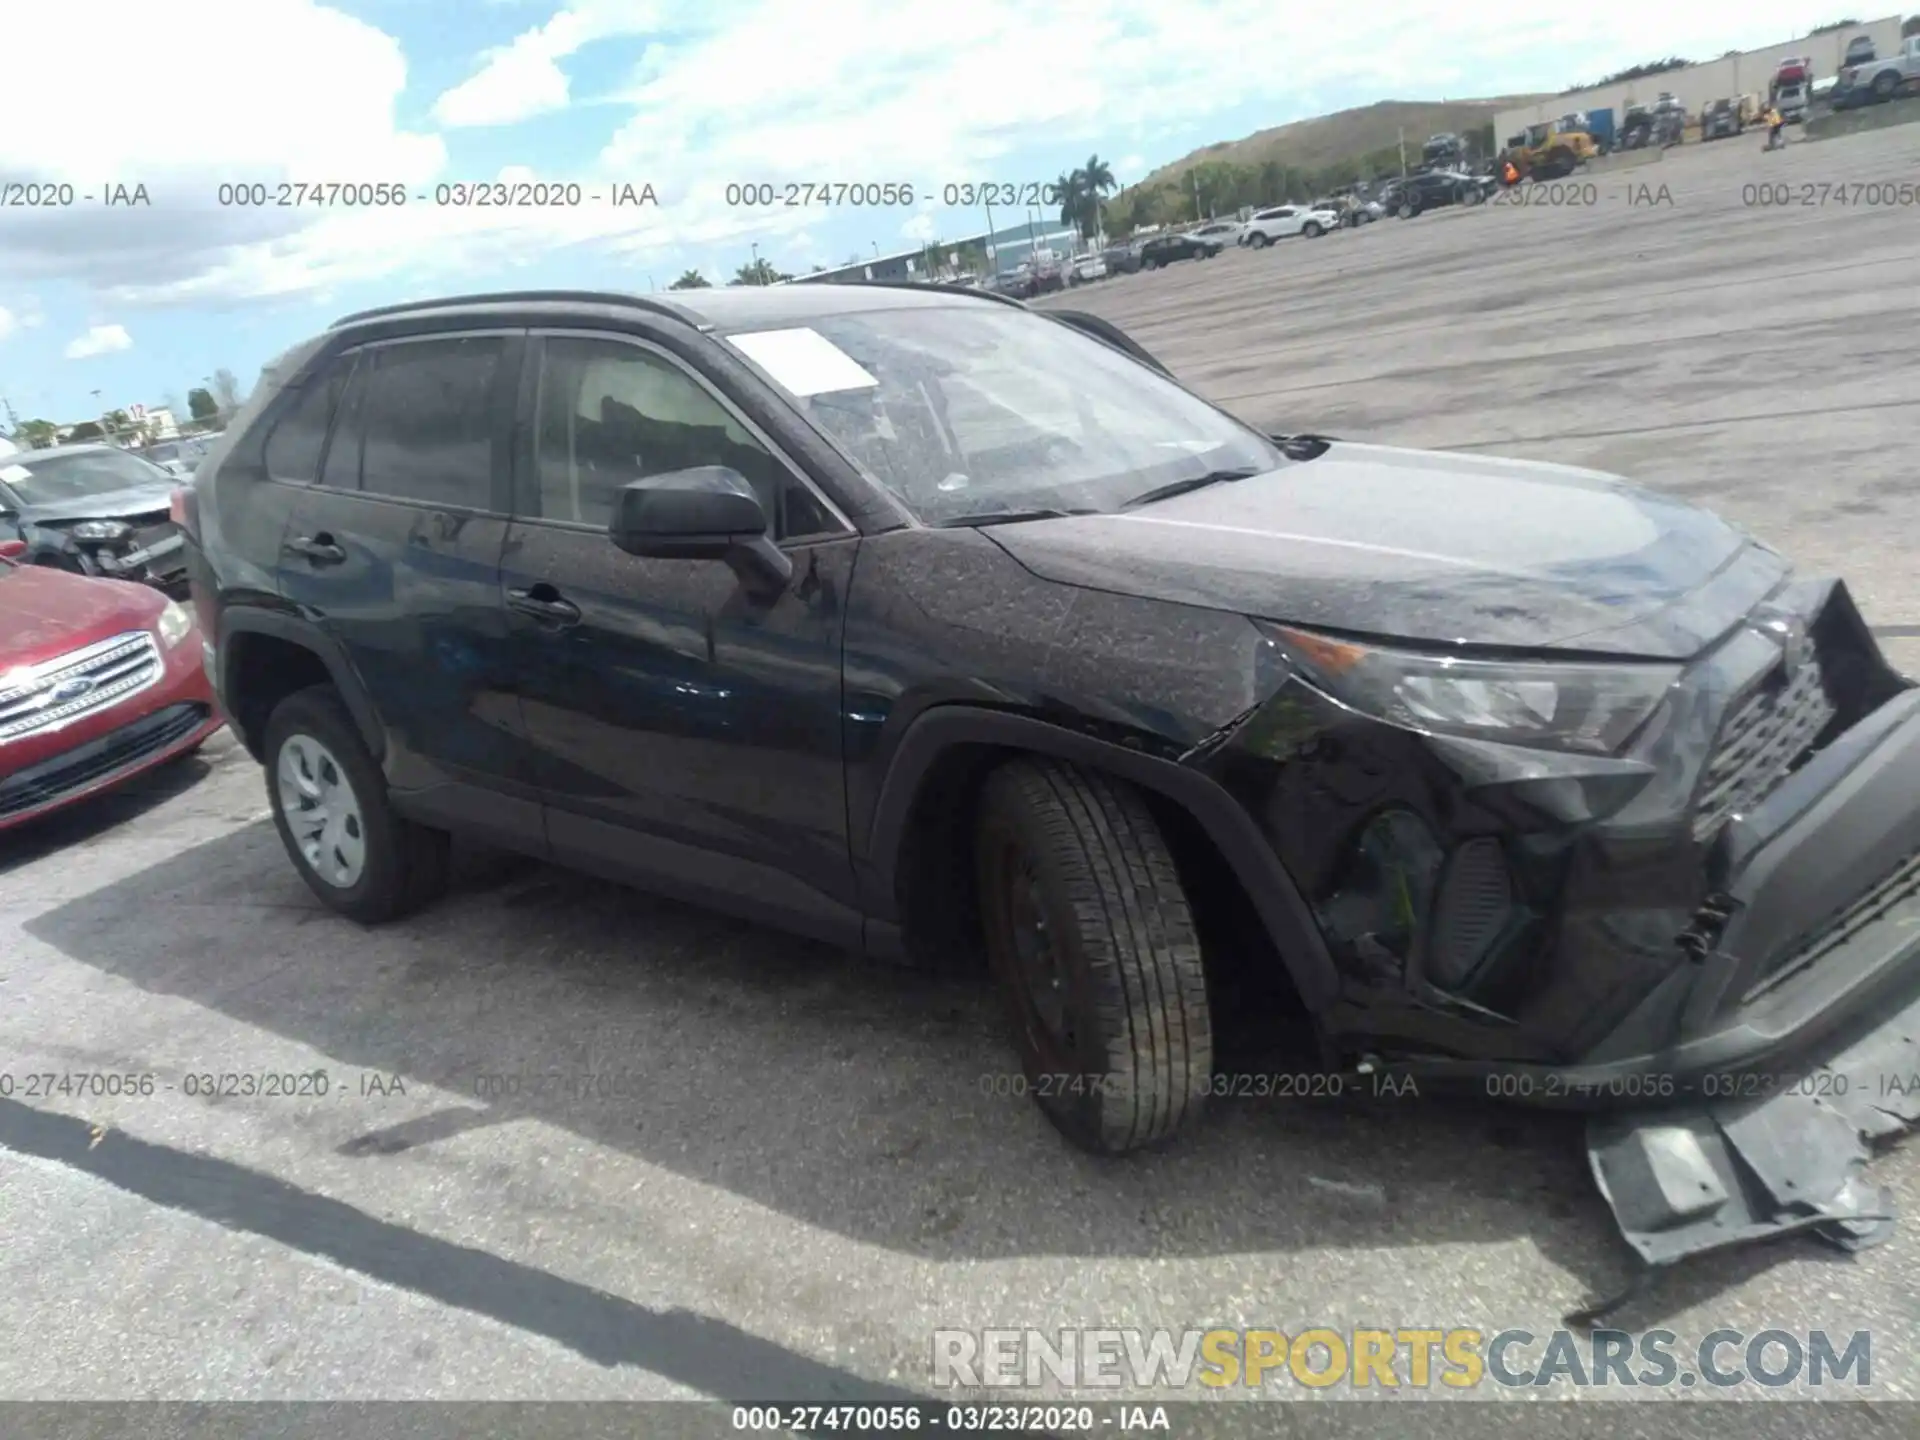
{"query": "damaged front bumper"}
(1797, 1025)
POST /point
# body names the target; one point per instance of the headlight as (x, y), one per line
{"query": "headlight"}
(174, 624)
(1553, 704)
(101, 530)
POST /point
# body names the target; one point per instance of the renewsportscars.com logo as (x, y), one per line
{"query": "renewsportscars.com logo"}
(1458, 1358)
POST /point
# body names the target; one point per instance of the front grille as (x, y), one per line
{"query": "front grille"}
(1762, 742)
(98, 760)
(77, 684)
(1889, 908)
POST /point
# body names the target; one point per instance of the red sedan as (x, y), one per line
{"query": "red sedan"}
(99, 681)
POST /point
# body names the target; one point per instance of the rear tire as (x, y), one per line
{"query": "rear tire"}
(382, 866)
(1092, 942)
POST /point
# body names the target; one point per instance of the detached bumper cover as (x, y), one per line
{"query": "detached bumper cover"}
(1830, 1009)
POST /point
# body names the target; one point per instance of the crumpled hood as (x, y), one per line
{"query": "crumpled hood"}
(115, 505)
(1430, 547)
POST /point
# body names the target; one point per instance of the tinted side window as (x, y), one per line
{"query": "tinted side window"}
(606, 413)
(341, 470)
(429, 421)
(293, 449)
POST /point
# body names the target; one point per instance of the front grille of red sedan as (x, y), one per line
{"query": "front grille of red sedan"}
(68, 687)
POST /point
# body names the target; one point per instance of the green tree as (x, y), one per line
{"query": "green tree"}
(119, 424)
(201, 405)
(1096, 182)
(691, 280)
(36, 434)
(226, 393)
(1067, 193)
(760, 272)
(1910, 26)
(84, 431)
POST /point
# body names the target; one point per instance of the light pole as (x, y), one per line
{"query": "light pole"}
(756, 263)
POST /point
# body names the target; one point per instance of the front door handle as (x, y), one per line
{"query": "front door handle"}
(317, 549)
(543, 602)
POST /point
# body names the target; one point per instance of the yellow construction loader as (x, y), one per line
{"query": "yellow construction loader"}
(1547, 152)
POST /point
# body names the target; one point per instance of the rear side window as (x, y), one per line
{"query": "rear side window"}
(294, 448)
(342, 469)
(428, 421)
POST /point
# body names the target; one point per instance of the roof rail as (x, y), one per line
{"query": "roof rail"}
(504, 297)
(979, 292)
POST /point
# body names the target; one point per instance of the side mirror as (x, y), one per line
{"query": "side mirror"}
(708, 512)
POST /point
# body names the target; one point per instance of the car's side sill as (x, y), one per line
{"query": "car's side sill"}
(703, 877)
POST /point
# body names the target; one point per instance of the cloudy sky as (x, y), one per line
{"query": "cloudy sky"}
(181, 97)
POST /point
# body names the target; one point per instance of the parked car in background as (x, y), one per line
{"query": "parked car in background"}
(1720, 120)
(1219, 232)
(94, 510)
(1085, 268)
(1277, 222)
(1165, 249)
(1874, 81)
(99, 681)
(1417, 194)
(1122, 259)
(179, 458)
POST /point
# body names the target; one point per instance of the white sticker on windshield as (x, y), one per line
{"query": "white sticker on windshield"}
(803, 361)
(11, 473)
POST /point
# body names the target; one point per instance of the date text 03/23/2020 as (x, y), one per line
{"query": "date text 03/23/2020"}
(448, 195)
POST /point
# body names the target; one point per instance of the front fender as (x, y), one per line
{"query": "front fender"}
(1278, 901)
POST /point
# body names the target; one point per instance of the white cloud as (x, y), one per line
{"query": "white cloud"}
(99, 340)
(322, 109)
(741, 91)
(522, 79)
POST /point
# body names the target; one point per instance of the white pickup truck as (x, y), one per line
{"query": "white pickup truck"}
(1879, 79)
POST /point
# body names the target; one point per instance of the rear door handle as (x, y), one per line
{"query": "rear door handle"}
(317, 549)
(544, 603)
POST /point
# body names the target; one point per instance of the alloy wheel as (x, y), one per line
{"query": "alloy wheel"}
(323, 814)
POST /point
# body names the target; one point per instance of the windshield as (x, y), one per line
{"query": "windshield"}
(972, 409)
(60, 478)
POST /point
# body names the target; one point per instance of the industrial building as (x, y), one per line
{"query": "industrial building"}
(1741, 73)
(1005, 247)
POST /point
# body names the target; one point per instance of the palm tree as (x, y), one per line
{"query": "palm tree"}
(760, 272)
(1096, 182)
(1069, 192)
(691, 280)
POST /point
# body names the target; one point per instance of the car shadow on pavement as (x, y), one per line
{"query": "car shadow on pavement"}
(91, 818)
(864, 1100)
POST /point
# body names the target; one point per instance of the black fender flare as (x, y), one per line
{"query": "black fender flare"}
(310, 637)
(1278, 901)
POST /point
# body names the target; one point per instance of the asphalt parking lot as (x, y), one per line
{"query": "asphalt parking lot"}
(786, 1168)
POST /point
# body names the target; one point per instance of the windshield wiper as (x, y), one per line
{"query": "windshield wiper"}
(1003, 517)
(1195, 482)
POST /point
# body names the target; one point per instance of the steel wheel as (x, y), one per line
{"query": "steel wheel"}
(323, 813)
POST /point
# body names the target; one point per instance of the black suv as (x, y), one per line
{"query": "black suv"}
(1417, 193)
(1165, 249)
(927, 624)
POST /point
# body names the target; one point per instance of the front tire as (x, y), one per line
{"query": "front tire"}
(1311, 230)
(331, 808)
(1092, 942)
(1260, 240)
